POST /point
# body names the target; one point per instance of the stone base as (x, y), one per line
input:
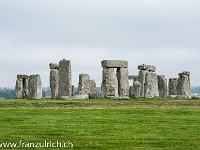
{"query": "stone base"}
(101, 94)
(92, 95)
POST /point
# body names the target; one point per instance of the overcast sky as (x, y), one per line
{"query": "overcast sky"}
(34, 33)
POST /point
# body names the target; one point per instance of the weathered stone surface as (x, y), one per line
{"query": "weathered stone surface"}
(132, 77)
(118, 98)
(34, 87)
(92, 94)
(147, 67)
(162, 86)
(172, 96)
(173, 86)
(84, 83)
(184, 97)
(114, 64)
(151, 85)
(183, 86)
(195, 97)
(110, 82)
(101, 94)
(141, 79)
(18, 87)
(81, 96)
(53, 66)
(25, 87)
(65, 97)
(54, 83)
(136, 89)
(122, 74)
(187, 73)
(65, 78)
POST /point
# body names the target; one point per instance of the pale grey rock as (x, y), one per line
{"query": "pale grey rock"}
(65, 78)
(81, 96)
(136, 89)
(53, 66)
(187, 73)
(147, 67)
(54, 83)
(92, 95)
(141, 79)
(172, 96)
(173, 86)
(114, 64)
(183, 86)
(101, 94)
(184, 97)
(162, 86)
(110, 82)
(118, 98)
(151, 85)
(122, 74)
(34, 87)
(18, 87)
(84, 83)
(65, 97)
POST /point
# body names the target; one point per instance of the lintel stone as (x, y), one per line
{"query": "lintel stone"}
(114, 64)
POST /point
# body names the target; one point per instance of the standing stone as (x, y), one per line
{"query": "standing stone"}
(72, 90)
(65, 79)
(151, 85)
(173, 86)
(84, 83)
(122, 74)
(54, 80)
(162, 86)
(141, 79)
(25, 86)
(110, 83)
(18, 87)
(92, 89)
(183, 85)
(34, 87)
(136, 89)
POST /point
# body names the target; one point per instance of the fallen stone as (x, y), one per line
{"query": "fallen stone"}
(184, 97)
(172, 96)
(65, 97)
(101, 94)
(81, 96)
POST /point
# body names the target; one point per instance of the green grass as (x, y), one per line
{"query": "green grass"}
(103, 124)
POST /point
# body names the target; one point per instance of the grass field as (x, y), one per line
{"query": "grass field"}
(103, 124)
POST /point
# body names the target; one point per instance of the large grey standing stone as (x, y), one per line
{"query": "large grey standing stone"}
(151, 85)
(18, 87)
(173, 86)
(162, 86)
(183, 86)
(34, 87)
(65, 79)
(110, 83)
(54, 80)
(141, 79)
(136, 89)
(122, 74)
